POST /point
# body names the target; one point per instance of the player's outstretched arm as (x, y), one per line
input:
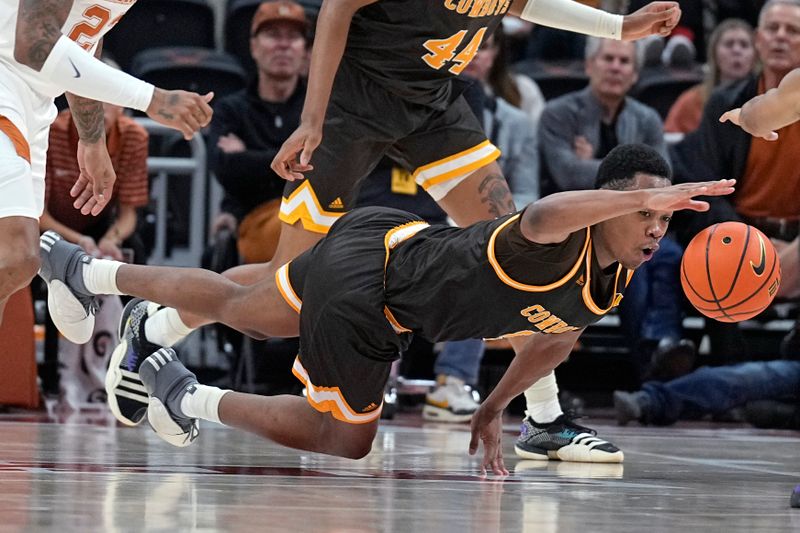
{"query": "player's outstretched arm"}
(656, 18)
(333, 26)
(553, 218)
(771, 111)
(40, 45)
(536, 356)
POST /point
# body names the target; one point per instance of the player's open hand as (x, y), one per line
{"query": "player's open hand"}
(734, 116)
(682, 196)
(184, 111)
(95, 183)
(294, 157)
(487, 427)
(656, 18)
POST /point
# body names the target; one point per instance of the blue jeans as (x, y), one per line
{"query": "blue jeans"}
(460, 359)
(652, 308)
(713, 390)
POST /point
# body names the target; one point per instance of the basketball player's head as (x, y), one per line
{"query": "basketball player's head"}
(633, 238)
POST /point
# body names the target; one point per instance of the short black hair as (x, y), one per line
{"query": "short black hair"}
(620, 166)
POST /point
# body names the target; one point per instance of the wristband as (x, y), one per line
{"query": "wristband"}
(75, 70)
(572, 16)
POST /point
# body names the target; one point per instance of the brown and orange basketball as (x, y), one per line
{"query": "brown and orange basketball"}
(730, 272)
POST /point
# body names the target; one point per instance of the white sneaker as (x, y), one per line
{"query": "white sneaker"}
(450, 400)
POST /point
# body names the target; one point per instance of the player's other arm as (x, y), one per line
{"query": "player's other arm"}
(40, 45)
(536, 356)
(656, 18)
(553, 218)
(771, 111)
(333, 27)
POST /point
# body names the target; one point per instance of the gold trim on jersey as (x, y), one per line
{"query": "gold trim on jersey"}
(587, 291)
(304, 206)
(456, 165)
(505, 278)
(393, 322)
(330, 400)
(285, 288)
(522, 333)
(394, 237)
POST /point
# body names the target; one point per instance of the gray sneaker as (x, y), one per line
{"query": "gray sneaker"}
(167, 381)
(72, 307)
(127, 397)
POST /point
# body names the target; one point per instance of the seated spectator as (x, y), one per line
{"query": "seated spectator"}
(250, 126)
(714, 391)
(114, 230)
(731, 57)
(490, 67)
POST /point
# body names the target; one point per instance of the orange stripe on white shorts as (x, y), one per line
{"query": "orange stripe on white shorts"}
(17, 139)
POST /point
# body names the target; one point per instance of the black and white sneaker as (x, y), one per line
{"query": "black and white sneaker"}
(72, 307)
(167, 381)
(564, 440)
(127, 397)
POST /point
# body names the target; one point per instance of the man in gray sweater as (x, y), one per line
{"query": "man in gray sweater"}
(578, 129)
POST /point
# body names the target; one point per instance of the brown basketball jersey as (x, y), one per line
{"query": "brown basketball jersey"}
(415, 47)
(488, 281)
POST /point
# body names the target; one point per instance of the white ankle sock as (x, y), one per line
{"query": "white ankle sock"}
(203, 402)
(100, 276)
(166, 328)
(542, 400)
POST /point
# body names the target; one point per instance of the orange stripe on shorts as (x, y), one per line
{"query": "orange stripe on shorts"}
(20, 144)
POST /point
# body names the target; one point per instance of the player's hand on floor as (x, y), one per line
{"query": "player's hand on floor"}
(95, 183)
(184, 111)
(487, 427)
(677, 197)
(656, 18)
(294, 157)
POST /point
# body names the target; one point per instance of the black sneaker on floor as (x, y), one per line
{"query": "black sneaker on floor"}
(564, 440)
(127, 397)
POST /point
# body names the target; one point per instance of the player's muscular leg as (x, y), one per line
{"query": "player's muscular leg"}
(257, 310)
(293, 240)
(484, 195)
(291, 421)
(19, 255)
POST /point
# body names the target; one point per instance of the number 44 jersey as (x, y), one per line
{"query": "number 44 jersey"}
(415, 47)
(87, 22)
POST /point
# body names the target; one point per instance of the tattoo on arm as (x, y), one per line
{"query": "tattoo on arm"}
(39, 25)
(494, 191)
(172, 100)
(88, 117)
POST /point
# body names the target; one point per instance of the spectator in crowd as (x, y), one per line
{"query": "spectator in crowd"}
(715, 391)
(576, 132)
(731, 57)
(115, 228)
(249, 127)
